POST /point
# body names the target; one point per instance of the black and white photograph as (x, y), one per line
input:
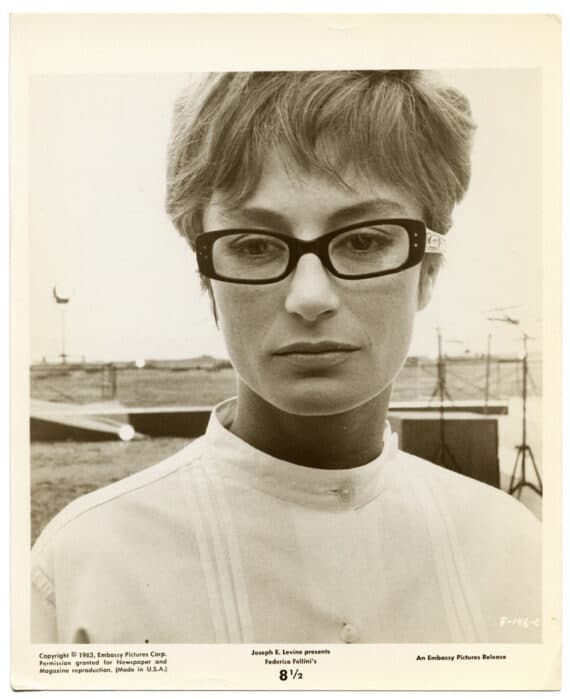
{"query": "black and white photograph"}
(286, 369)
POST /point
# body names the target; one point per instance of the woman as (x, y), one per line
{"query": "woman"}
(317, 205)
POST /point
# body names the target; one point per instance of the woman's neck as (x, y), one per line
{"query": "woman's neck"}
(336, 441)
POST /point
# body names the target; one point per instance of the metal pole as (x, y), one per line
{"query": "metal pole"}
(440, 377)
(63, 354)
(487, 373)
(525, 370)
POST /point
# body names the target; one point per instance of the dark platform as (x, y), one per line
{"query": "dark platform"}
(472, 441)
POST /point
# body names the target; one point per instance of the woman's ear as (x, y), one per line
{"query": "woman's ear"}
(431, 265)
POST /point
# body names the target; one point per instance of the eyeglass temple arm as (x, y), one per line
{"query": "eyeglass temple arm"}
(435, 242)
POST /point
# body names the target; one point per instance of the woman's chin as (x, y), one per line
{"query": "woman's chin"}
(317, 402)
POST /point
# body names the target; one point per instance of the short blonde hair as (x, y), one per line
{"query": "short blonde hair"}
(402, 126)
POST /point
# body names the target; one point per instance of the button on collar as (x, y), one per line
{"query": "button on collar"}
(345, 493)
(339, 490)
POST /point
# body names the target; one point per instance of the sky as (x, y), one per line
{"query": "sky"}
(98, 226)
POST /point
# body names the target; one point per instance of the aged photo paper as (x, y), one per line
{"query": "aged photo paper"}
(108, 311)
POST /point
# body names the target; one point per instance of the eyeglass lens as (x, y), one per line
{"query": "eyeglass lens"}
(365, 250)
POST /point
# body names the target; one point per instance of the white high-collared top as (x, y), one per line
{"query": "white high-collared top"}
(222, 543)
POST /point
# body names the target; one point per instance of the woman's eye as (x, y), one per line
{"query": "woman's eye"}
(255, 247)
(365, 242)
(361, 241)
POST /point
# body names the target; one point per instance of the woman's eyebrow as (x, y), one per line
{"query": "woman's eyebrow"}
(371, 208)
(258, 216)
(268, 218)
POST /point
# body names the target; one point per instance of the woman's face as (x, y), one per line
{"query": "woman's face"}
(314, 344)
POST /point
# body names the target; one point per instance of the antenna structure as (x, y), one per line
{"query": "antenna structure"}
(523, 449)
(444, 456)
(62, 298)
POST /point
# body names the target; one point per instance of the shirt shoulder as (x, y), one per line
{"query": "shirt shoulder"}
(94, 512)
(495, 535)
(469, 501)
(490, 540)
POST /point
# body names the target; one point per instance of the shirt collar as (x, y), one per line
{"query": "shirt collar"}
(328, 488)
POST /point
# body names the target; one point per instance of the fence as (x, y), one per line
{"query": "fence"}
(208, 382)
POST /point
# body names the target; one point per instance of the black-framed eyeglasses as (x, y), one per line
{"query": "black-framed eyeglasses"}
(360, 251)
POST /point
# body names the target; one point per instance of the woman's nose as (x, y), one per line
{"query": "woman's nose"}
(311, 292)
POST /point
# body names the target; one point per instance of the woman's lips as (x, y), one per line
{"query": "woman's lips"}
(316, 354)
(320, 347)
